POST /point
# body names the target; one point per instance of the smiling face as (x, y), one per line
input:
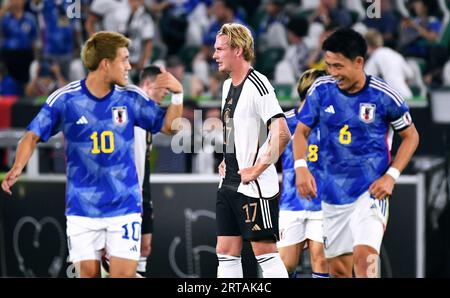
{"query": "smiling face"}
(224, 54)
(117, 70)
(346, 72)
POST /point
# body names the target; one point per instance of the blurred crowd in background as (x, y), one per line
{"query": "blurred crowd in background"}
(41, 39)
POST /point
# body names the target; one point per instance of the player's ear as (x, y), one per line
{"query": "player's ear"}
(104, 63)
(238, 51)
(359, 62)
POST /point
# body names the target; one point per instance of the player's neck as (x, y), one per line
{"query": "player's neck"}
(98, 85)
(239, 73)
(359, 85)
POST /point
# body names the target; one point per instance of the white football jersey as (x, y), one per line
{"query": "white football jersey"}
(250, 112)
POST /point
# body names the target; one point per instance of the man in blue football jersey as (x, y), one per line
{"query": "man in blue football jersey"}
(97, 116)
(300, 220)
(356, 115)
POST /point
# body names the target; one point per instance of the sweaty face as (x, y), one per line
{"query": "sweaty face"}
(118, 69)
(345, 71)
(223, 53)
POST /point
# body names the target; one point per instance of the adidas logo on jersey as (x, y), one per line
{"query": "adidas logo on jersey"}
(330, 109)
(256, 228)
(134, 248)
(82, 120)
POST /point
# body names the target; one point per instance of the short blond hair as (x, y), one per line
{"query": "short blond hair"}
(239, 36)
(306, 80)
(374, 38)
(101, 45)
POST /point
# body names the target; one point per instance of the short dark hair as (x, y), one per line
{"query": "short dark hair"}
(347, 42)
(150, 72)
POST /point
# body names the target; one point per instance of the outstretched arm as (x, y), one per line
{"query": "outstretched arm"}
(23, 154)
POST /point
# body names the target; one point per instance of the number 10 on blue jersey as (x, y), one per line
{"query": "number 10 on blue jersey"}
(106, 142)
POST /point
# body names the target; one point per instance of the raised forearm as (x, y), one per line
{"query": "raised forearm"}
(172, 119)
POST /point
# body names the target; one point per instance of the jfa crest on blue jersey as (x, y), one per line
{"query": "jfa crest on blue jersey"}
(367, 112)
(356, 134)
(99, 145)
(120, 115)
(290, 198)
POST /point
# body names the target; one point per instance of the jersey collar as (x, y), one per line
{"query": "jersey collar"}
(92, 96)
(366, 84)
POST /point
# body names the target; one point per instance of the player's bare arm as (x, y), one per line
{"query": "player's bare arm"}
(304, 180)
(175, 109)
(279, 138)
(384, 186)
(23, 154)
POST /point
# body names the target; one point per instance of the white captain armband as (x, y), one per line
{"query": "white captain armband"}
(394, 173)
(403, 122)
(177, 98)
(300, 163)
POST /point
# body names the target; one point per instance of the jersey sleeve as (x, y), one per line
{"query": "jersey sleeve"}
(148, 115)
(309, 115)
(268, 107)
(47, 122)
(398, 114)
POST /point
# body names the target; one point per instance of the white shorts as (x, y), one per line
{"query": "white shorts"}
(297, 226)
(360, 223)
(120, 236)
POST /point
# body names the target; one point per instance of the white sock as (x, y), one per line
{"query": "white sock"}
(142, 265)
(229, 266)
(272, 266)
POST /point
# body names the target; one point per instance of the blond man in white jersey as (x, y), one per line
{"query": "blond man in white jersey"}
(247, 198)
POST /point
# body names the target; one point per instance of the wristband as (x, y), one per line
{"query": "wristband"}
(300, 163)
(393, 172)
(177, 98)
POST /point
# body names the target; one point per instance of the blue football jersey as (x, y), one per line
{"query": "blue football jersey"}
(356, 134)
(290, 198)
(99, 145)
